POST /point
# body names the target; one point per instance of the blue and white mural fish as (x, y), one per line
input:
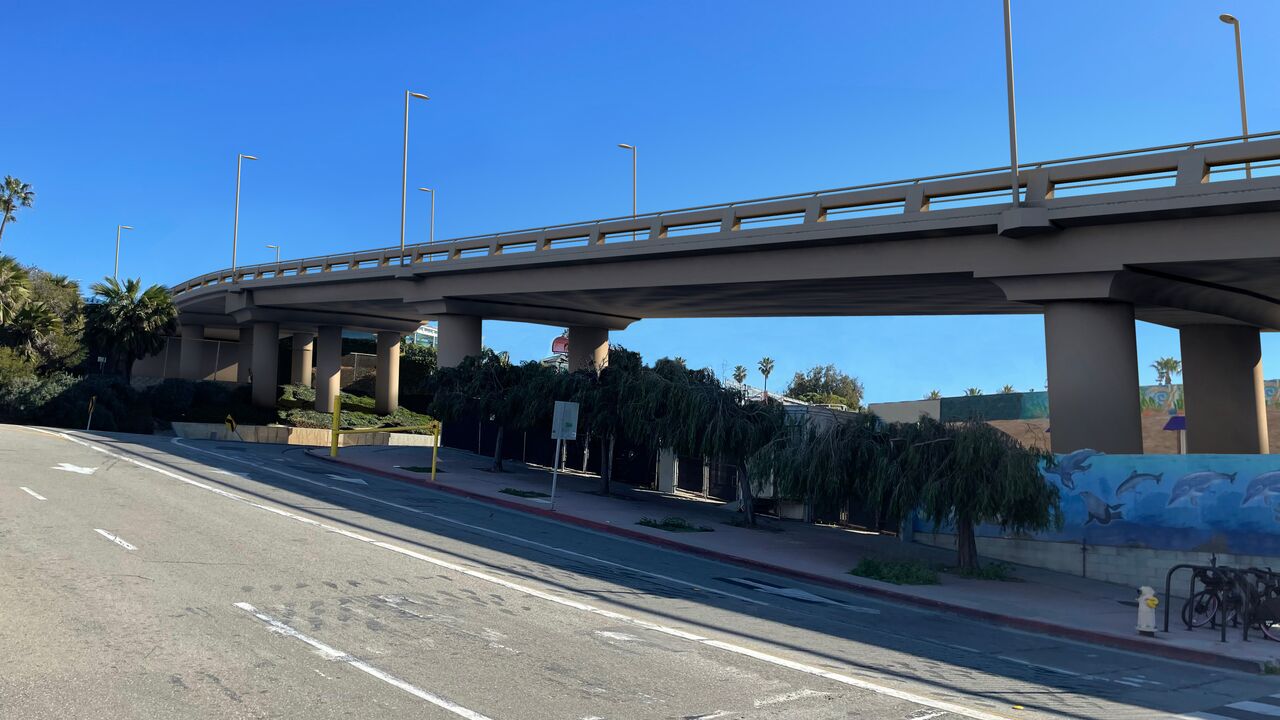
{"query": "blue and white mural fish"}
(1137, 478)
(1193, 485)
(1099, 511)
(1266, 484)
(1070, 464)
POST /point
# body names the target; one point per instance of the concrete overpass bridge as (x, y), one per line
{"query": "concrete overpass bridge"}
(1175, 235)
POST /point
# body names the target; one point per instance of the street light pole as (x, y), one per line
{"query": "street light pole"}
(404, 175)
(277, 249)
(115, 273)
(1013, 116)
(1244, 113)
(432, 236)
(235, 228)
(634, 152)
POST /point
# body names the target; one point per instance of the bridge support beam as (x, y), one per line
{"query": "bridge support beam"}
(328, 367)
(588, 348)
(1092, 356)
(1222, 390)
(189, 352)
(266, 352)
(387, 381)
(459, 339)
(300, 368)
(244, 361)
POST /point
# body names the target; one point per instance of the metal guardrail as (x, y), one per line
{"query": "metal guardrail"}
(1182, 163)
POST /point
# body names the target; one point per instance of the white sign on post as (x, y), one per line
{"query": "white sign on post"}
(564, 424)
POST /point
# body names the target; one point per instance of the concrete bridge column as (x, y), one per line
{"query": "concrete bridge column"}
(588, 348)
(244, 361)
(1092, 357)
(328, 367)
(189, 351)
(387, 381)
(300, 371)
(266, 352)
(459, 339)
(1222, 389)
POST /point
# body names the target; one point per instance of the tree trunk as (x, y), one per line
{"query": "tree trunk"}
(966, 545)
(497, 451)
(606, 463)
(3, 219)
(128, 369)
(586, 452)
(748, 500)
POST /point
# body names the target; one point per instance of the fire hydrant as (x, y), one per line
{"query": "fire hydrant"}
(1147, 604)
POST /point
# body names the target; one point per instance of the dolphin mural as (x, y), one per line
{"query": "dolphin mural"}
(1193, 485)
(1267, 483)
(1135, 479)
(1099, 511)
(1070, 464)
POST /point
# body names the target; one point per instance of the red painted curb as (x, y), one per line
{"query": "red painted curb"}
(1013, 621)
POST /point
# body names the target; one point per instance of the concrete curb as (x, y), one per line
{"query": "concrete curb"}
(1133, 644)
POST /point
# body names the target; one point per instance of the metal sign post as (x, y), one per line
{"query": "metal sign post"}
(564, 426)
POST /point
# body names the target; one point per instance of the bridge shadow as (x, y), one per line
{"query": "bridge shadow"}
(901, 643)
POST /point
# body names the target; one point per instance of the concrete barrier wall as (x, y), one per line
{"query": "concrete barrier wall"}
(282, 435)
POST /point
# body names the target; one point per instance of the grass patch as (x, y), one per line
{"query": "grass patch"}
(524, 493)
(998, 571)
(897, 572)
(296, 408)
(673, 524)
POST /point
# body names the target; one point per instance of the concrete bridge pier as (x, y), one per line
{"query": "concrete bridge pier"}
(189, 352)
(387, 381)
(1223, 394)
(1092, 357)
(266, 351)
(300, 369)
(588, 348)
(459, 339)
(244, 360)
(328, 367)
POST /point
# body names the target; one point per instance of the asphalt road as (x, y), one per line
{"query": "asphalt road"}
(142, 577)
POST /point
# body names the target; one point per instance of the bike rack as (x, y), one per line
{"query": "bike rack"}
(1191, 592)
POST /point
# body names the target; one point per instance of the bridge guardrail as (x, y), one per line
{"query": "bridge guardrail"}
(1184, 163)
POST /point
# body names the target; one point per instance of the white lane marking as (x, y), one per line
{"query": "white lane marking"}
(115, 539)
(32, 493)
(339, 656)
(801, 595)
(927, 716)
(68, 467)
(345, 479)
(801, 693)
(1257, 707)
(1050, 668)
(1206, 716)
(569, 602)
(479, 529)
(621, 637)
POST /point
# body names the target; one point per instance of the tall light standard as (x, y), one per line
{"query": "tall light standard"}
(634, 152)
(235, 228)
(1244, 113)
(432, 236)
(404, 176)
(116, 271)
(1013, 116)
(277, 249)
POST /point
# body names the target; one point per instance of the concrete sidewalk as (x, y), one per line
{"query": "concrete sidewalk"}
(1041, 601)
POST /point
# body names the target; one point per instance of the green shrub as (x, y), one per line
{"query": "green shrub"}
(14, 366)
(62, 400)
(673, 524)
(898, 572)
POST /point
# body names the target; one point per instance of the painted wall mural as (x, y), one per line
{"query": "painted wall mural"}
(1204, 503)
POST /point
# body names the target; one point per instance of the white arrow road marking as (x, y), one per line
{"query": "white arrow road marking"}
(115, 539)
(336, 655)
(32, 493)
(68, 467)
(801, 595)
(354, 481)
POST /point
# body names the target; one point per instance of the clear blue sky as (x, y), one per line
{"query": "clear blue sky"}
(134, 112)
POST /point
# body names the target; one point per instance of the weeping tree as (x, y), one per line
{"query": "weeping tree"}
(605, 396)
(488, 383)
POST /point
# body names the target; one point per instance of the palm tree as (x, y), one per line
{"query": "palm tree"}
(933, 395)
(1007, 390)
(129, 323)
(14, 194)
(973, 391)
(1166, 368)
(766, 368)
(30, 330)
(739, 374)
(15, 287)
